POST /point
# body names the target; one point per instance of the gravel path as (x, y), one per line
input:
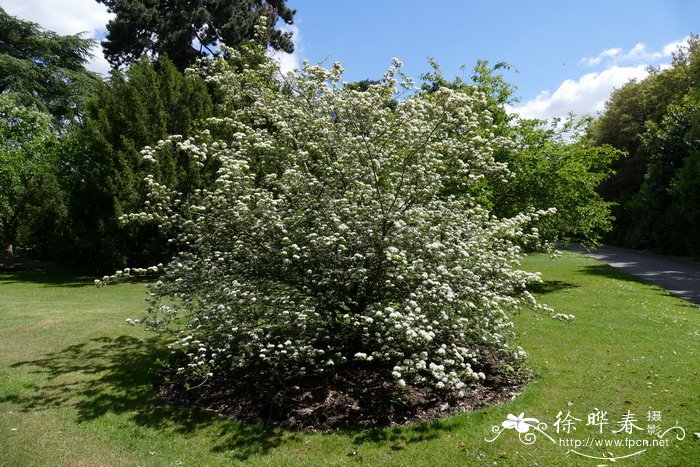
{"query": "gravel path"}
(680, 277)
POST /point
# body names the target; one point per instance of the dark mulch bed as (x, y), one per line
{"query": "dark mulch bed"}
(355, 396)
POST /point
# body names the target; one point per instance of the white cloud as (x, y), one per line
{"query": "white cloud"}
(669, 49)
(66, 17)
(98, 63)
(586, 95)
(637, 55)
(608, 53)
(289, 62)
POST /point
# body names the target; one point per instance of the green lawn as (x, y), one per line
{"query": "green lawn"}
(75, 383)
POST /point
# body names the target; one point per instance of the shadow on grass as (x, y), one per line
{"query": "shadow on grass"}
(51, 276)
(397, 438)
(609, 272)
(116, 375)
(44, 274)
(546, 287)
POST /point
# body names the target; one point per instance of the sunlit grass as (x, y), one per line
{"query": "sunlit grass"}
(76, 382)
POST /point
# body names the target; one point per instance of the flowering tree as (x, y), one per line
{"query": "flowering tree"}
(331, 236)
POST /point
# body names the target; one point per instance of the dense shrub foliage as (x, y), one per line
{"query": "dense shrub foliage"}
(330, 235)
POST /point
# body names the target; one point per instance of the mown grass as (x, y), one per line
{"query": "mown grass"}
(76, 383)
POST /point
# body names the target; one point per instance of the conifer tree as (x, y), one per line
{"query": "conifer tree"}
(132, 110)
(42, 69)
(188, 30)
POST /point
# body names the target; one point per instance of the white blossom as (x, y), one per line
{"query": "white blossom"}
(330, 225)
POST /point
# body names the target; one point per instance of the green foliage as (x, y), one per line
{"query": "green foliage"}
(627, 114)
(43, 69)
(663, 208)
(553, 167)
(657, 122)
(685, 199)
(27, 163)
(158, 27)
(105, 170)
(362, 85)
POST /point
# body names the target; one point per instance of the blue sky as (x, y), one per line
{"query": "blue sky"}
(548, 42)
(569, 55)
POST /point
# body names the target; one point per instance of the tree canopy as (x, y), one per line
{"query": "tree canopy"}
(27, 177)
(43, 69)
(552, 166)
(186, 30)
(656, 121)
(133, 109)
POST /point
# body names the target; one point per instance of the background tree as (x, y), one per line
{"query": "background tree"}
(157, 27)
(362, 85)
(656, 122)
(664, 212)
(105, 170)
(27, 168)
(43, 69)
(553, 166)
(627, 114)
(685, 199)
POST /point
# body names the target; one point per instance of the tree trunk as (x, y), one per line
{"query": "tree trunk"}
(9, 255)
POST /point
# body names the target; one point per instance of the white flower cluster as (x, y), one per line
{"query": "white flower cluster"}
(332, 233)
(128, 273)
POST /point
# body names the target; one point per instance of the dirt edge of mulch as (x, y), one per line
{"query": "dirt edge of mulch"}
(358, 396)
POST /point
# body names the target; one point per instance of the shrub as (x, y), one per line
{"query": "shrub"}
(330, 237)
